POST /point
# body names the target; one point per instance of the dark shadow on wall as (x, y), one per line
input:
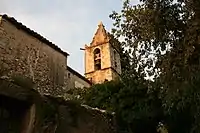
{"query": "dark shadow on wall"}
(12, 113)
(24, 110)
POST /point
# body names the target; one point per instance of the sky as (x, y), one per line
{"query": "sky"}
(70, 24)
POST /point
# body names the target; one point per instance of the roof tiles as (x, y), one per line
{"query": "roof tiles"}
(33, 33)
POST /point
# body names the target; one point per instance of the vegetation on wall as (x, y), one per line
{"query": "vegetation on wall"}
(134, 104)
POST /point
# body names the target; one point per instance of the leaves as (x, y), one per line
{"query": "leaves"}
(132, 101)
(163, 37)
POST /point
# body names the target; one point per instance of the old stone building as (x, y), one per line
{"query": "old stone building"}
(34, 74)
(76, 80)
(102, 58)
(24, 52)
(24, 110)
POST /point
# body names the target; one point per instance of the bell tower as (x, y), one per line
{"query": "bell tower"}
(102, 58)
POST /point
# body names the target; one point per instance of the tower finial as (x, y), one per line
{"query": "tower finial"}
(100, 23)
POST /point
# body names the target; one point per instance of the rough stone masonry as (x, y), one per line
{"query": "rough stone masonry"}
(23, 52)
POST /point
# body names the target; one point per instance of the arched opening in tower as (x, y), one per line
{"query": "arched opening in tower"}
(97, 59)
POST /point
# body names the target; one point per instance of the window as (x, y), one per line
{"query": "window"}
(115, 64)
(97, 59)
(68, 75)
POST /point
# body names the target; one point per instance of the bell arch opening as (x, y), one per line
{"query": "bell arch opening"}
(97, 59)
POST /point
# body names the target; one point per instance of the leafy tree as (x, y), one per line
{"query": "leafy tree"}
(149, 29)
(103, 96)
(132, 101)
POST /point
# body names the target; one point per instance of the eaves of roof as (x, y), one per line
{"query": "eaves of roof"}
(33, 33)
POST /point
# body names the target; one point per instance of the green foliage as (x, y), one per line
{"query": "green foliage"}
(149, 29)
(103, 95)
(132, 102)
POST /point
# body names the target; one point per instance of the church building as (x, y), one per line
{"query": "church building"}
(25, 52)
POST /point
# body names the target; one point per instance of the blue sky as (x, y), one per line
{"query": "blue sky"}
(70, 24)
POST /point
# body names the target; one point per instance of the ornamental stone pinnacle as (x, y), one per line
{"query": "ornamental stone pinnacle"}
(100, 36)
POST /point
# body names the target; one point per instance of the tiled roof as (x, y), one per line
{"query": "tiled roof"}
(33, 33)
(78, 74)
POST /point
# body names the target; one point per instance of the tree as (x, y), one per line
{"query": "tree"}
(149, 29)
(133, 102)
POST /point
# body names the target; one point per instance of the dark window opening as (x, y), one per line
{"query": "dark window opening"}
(97, 59)
(114, 53)
(13, 115)
(68, 75)
(115, 64)
(97, 65)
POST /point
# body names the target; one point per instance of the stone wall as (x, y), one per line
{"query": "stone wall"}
(100, 76)
(108, 69)
(74, 118)
(47, 114)
(24, 54)
(75, 80)
(115, 60)
(105, 57)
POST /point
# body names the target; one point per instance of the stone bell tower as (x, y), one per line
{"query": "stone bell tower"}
(102, 58)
